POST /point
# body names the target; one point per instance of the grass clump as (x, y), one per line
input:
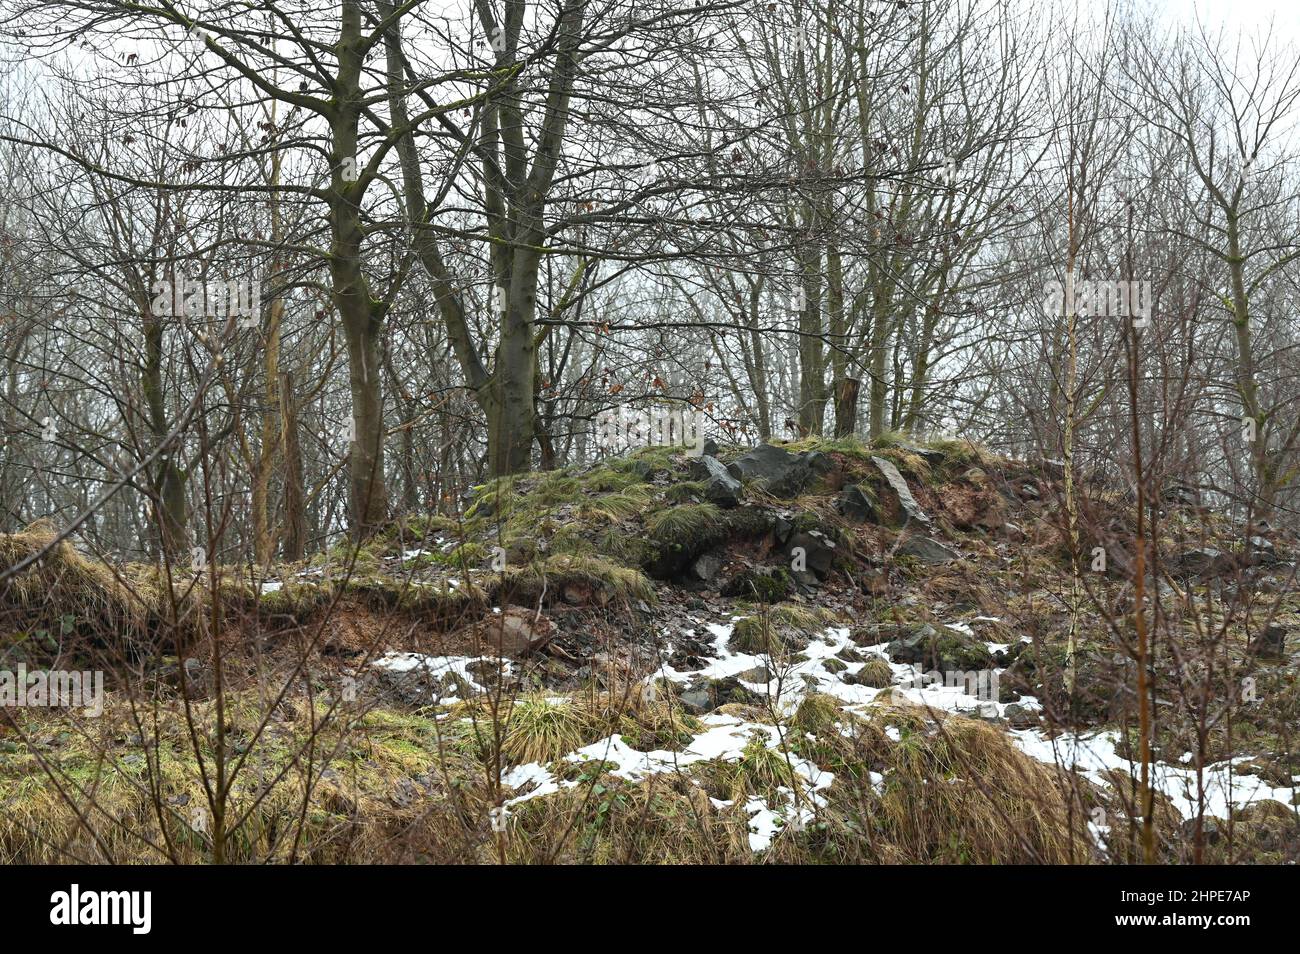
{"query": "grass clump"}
(875, 673)
(818, 713)
(686, 528)
(543, 728)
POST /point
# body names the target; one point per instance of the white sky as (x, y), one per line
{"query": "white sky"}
(1249, 15)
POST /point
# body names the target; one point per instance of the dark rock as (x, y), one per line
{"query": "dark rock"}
(1204, 561)
(778, 471)
(720, 487)
(930, 455)
(818, 551)
(857, 503)
(781, 529)
(1179, 494)
(1019, 716)
(1270, 641)
(762, 583)
(928, 551)
(908, 507)
(710, 448)
(706, 696)
(706, 567)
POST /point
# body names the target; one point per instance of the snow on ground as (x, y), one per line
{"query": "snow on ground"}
(725, 737)
(444, 671)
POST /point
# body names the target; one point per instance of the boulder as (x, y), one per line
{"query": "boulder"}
(720, 487)
(930, 455)
(778, 471)
(818, 552)
(706, 567)
(1204, 561)
(702, 697)
(518, 629)
(929, 552)
(857, 503)
(1270, 642)
(908, 507)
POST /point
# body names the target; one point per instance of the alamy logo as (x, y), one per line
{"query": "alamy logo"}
(55, 688)
(1088, 298)
(980, 683)
(618, 431)
(187, 296)
(103, 907)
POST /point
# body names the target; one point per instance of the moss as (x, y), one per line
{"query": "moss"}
(685, 491)
(767, 586)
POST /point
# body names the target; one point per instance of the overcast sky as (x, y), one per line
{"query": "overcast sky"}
(1247, 14)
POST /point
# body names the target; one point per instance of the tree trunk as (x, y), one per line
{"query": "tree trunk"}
(295, 503)
(846, 406)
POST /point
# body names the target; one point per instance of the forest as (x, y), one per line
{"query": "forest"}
(648, 432)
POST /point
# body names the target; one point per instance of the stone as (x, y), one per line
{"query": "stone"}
(703, 697)
(929, 552)
(1019, 716)
(720, 487)
(818, 551)
(1204, 561)
(908, 506)
(930, 455)
(778, 471)
(1270, 641)
(857, 503)
(706, 567)
(519, 630)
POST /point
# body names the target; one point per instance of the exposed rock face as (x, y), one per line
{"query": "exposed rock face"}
(778, 471)
(1270, 641)
(930, 552)
(818, 551)
(720, 487)
(705, 696)
(857, 503)
(908, 506)
(706, 567)
(1204, 561)
(519, 631)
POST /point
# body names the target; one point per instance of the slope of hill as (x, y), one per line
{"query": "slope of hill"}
(821, 651)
